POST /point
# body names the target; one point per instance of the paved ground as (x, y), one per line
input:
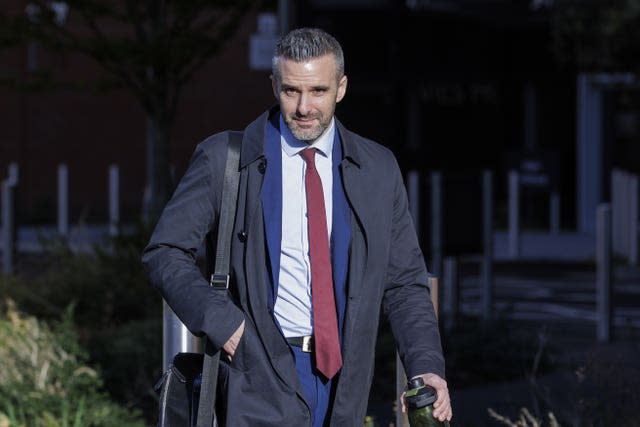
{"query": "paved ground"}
(553, 291)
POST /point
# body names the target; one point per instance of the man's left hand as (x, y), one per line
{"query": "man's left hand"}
(442, 406)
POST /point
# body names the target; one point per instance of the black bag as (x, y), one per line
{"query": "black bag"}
(179, 390)
(188, 388)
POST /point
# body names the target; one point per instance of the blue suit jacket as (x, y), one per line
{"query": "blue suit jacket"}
(271, 197)
(383, 266)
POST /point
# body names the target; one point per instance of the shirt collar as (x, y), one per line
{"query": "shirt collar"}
(292, 146)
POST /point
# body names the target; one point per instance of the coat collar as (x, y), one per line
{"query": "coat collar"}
(253, 140)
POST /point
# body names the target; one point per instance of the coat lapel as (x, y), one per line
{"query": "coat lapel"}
(262, 222)
(358, 190)
(271, 197)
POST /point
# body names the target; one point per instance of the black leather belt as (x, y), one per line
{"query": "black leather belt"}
(305, 343)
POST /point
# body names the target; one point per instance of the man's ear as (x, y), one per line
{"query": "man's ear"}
(274, 85)
(342, 88)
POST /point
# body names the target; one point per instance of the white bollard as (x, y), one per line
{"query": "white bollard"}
(624, 213)
(487, 244)
(633, 220)
(63, 200)
(451, 285)
(616, 224)
(554, 214)
(8, 187)
(514, 214)
(603, 272)
(436, 223)
(7, 227)
(14, 174)
(114, 200)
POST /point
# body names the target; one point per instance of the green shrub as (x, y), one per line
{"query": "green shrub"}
(117, 314)
(45, 381)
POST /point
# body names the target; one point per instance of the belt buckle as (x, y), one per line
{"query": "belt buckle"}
(307, 343)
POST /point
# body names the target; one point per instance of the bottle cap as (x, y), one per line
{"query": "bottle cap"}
(415, 383)
(424, 396)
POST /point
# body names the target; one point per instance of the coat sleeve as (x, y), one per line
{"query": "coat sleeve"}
(170, 256)
(407, 302)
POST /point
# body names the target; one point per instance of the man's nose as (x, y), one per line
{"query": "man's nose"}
(304, 105)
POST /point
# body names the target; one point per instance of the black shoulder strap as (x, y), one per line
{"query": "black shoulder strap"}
(220, 277)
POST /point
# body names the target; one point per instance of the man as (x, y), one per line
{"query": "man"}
(322, 241)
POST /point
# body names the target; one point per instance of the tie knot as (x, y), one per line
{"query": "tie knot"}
(308, 154)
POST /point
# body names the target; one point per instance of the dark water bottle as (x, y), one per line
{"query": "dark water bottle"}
(419, 399)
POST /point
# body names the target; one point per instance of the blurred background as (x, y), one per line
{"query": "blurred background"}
(516, 122)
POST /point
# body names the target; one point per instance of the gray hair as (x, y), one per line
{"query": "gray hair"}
(305, 44)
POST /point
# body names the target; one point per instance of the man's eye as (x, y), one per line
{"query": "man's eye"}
(319, 91)
(289, 91)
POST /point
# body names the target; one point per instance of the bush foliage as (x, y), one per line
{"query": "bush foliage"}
(45, 380)
(117, 314)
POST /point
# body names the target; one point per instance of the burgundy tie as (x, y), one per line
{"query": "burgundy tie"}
(325, 320)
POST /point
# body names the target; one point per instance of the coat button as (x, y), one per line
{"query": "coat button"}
(262, 166)
(242, 236)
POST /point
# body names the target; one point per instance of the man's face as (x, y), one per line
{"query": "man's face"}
(308, 93)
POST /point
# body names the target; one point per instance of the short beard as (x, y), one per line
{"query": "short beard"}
(307, 135)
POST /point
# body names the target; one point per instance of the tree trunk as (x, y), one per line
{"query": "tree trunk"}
(159, 183)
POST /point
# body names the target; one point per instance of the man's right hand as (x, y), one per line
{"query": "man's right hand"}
(232, 343)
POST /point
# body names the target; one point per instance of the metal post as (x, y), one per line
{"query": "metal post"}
(603, 273)
(114, 199)
(624, 213)
(176, 338)
(589, 146)
(401, 382)
(487, 246)
(633, 220)
(436, 223)
(63, 200)
(14, 173)
(7, 227)
(450, 298)
(615, 210)
(413, 191)
(514, 214)
(9, 234)
(554, 214)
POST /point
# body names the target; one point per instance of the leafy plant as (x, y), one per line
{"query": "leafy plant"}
(525, 419)
(116, 312)
(45, 380)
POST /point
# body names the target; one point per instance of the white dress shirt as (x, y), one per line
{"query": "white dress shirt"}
(293, 302)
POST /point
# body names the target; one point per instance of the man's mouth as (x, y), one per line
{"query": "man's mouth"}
(304, 120)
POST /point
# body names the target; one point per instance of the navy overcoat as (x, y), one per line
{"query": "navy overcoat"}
(386, 270)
